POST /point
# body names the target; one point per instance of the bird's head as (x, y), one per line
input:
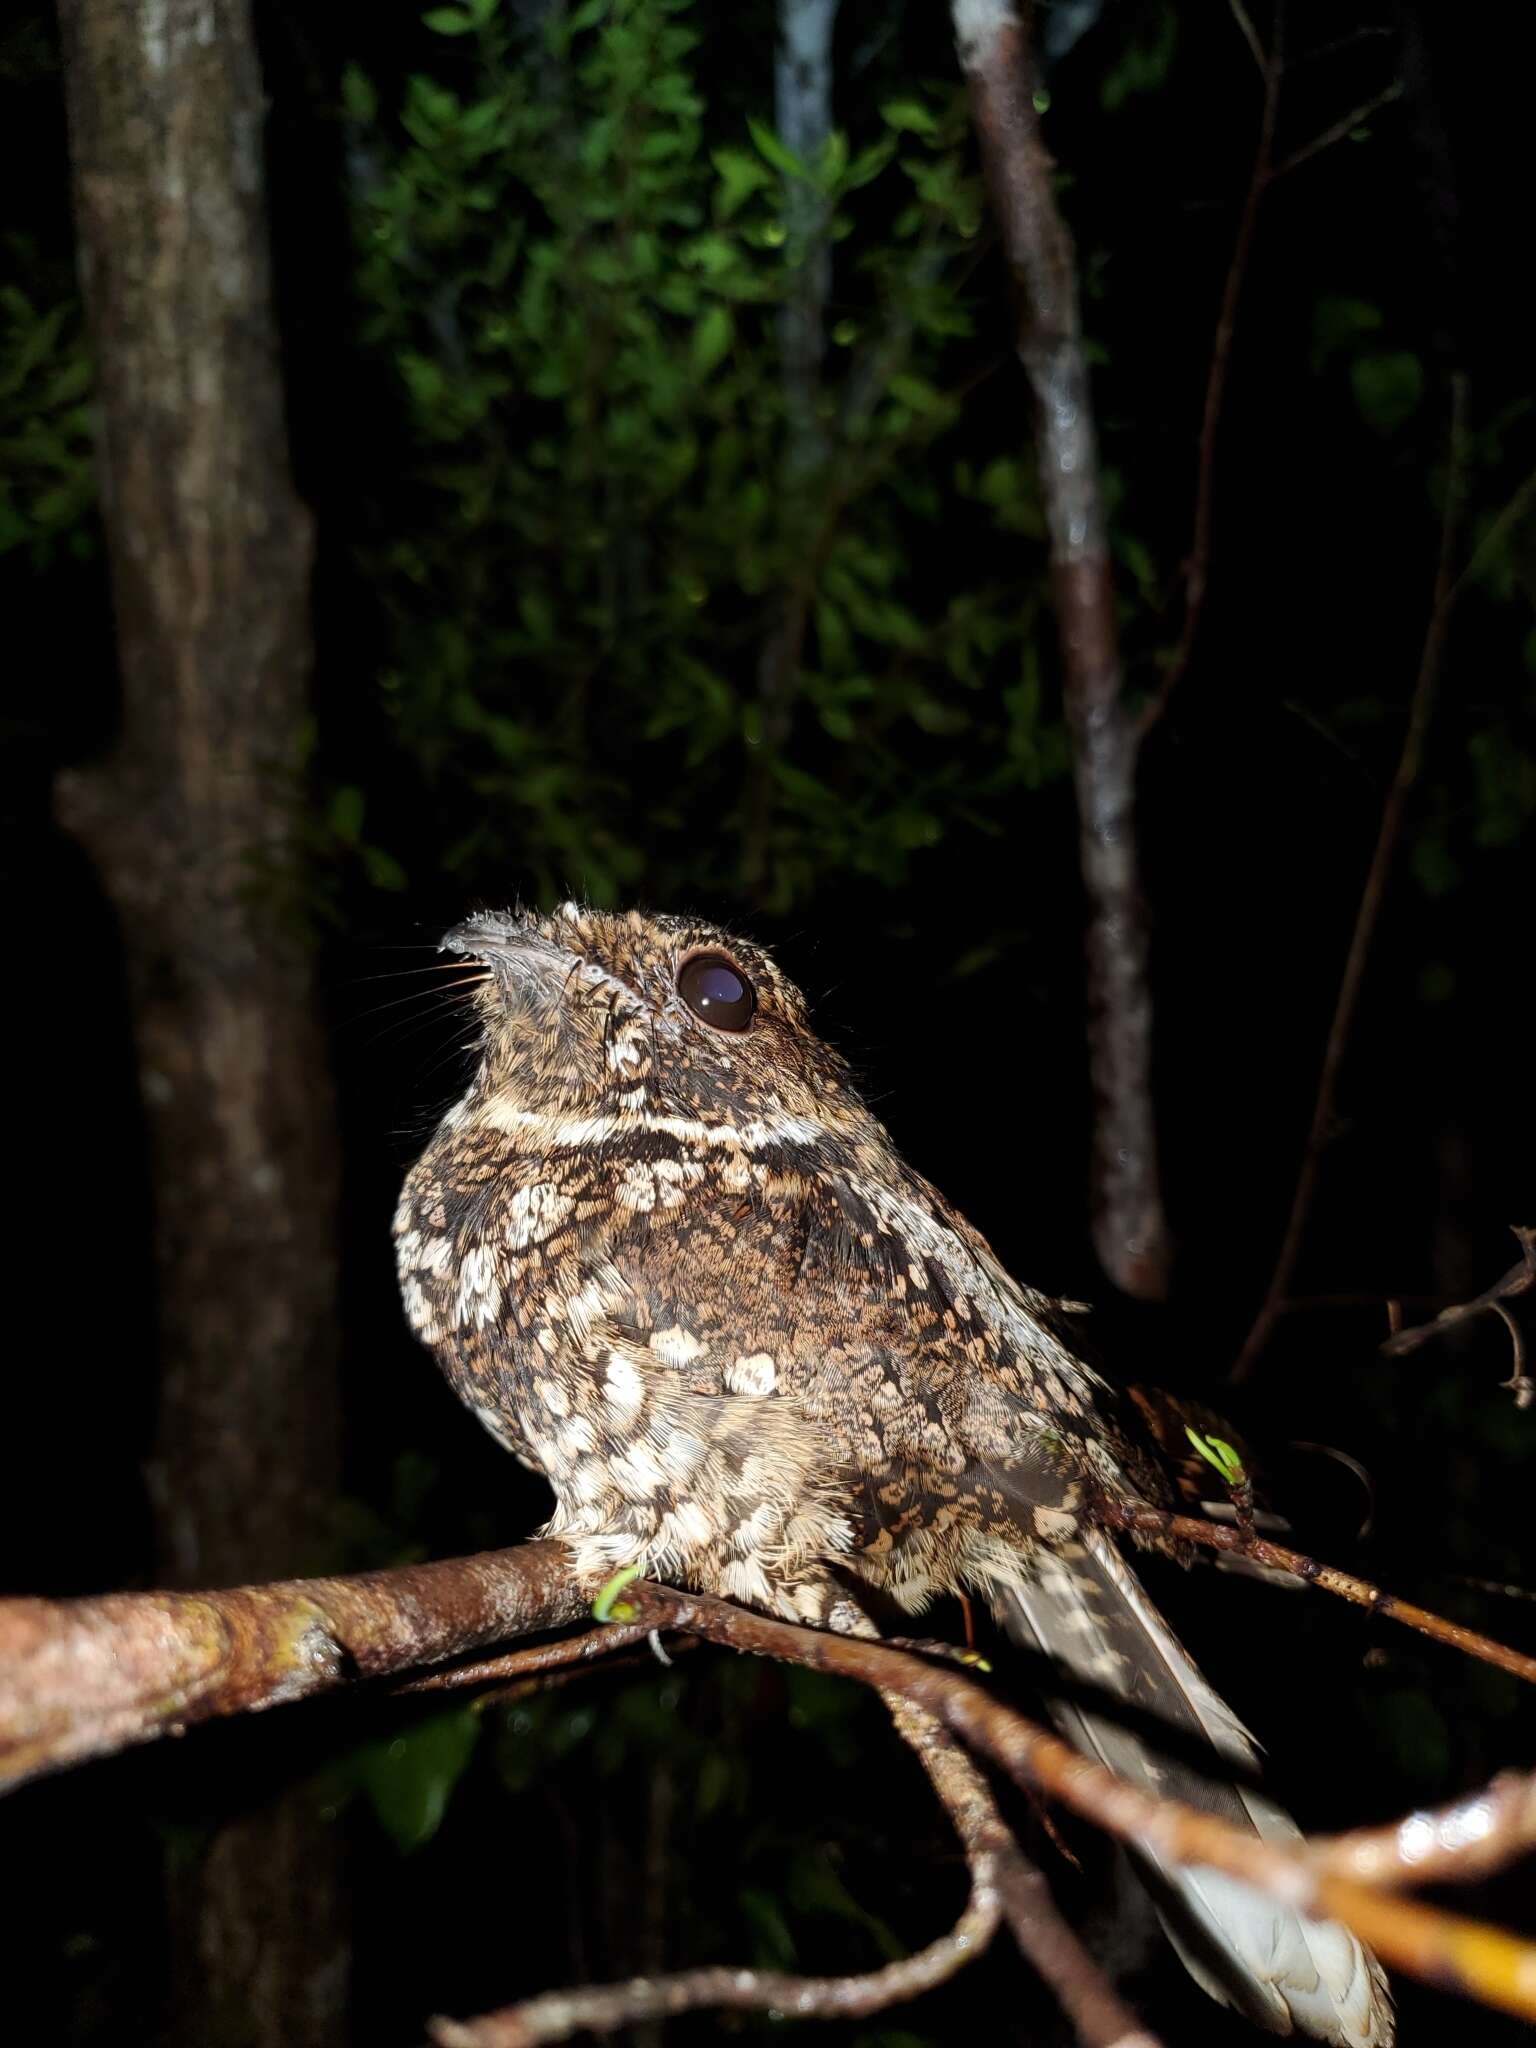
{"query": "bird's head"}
(622, 1015)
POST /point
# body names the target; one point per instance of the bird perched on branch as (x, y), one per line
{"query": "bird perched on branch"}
(671, 1260)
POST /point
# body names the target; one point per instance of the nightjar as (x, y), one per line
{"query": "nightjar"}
(670, 1259)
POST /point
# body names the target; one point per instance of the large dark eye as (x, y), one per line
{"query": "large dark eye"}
(716, 991)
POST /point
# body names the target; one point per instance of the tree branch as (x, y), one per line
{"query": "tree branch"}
(1517, 1281)
(80, 1678)
(1482, 1962)
(1004, 1884)
(1100, 2018)
(1421, 705)
(1198, 565)
(533, 1660)
(1336, 132)
(995, 49)
(83, 1677)
(1150, 1521)
(604, 2008)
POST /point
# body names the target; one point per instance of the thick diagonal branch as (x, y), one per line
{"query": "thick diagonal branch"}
(1129, 1232)
(80, 1678)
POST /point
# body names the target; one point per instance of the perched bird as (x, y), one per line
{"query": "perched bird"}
(670, 1259)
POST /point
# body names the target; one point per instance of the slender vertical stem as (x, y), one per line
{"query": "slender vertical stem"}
(1197, 568)
(1410, 759)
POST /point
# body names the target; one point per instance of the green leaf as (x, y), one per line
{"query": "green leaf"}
(911, 117)
(1435, 868)
(711, 340)
(448, 21)
(1387, 389)
(1144, 65)
(346, 813)
(358, 96)
(1339, 324)
(773, 151)
(382, 869)
(1218, 1452)
(773, 1942)
(410, 1779)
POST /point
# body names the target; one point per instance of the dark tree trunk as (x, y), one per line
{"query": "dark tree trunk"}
(190, 826)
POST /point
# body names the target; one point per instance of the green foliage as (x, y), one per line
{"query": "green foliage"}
(47, 484)
(1143, 64)
(710, 1728)
(576, 289)
(1388, 388)
(407, 1777)
(1217, 1452)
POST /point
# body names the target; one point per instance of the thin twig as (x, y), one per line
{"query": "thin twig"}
(602, 2009)
(1099, 2017)
(533, 1658)
(1345, 125)
(1517, 1281)
(996, 56)
(1197, 566)
(1482, 1962)
(1141, 1520)
(1244, 21)
(1367, 916)
(1003, 1884)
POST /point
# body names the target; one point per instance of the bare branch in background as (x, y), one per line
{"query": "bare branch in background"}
(603, 2009)
(1492, 1301)
(1410, 759)
(1197, 567)
(1338, 130)
(1129, 1232)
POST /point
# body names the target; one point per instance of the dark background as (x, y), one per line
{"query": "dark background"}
(720, 1810)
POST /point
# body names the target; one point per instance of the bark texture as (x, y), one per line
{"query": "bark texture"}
(1130, 1234)
(188, 822)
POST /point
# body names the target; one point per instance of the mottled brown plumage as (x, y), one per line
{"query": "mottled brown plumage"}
(682, 1270)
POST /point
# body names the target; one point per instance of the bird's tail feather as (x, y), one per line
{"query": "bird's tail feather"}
(1084, 1609)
